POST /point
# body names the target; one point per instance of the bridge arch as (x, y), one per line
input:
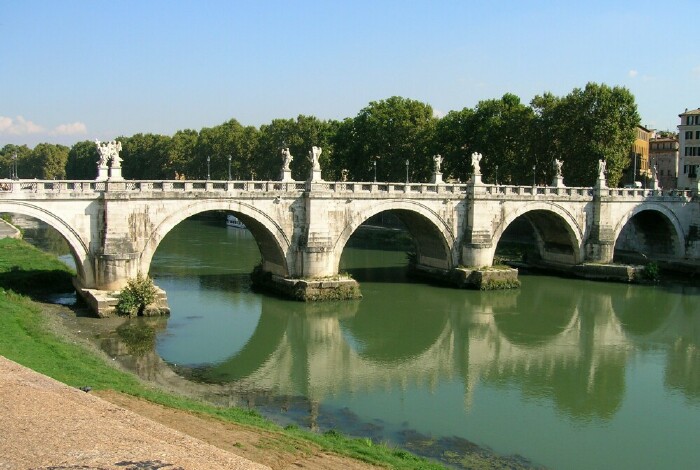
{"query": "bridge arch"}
(78, 247)
(656, 222)
(554, 226)
(434, 238)
(269, 236)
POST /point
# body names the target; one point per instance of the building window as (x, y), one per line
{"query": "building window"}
(697, 135)
(688, 135)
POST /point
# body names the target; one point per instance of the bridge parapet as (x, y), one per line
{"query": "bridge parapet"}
(13, 188)
(382, 190)
(550, 192)
(639, 194)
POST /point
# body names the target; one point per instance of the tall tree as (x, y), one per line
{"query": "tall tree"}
(498, 129)
(47, 161)
(8, 164)
(299, 135)
(396, 130)
(82, 161)
(217, 143)
(590, 124)
(454, 135)
(503, 133)
(182, 151)
(145, 156)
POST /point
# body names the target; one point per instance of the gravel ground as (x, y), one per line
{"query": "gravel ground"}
(45, 424)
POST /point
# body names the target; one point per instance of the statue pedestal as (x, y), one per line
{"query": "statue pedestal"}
(102, 173)
(437, 178)
(476, 179)
(115, 174)
(286, 176)
(315, 176)
(601, 183)
(558, 182)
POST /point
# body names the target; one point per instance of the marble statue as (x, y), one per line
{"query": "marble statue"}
(314, 155)
(437, 160)
(114, 148)
(104, 152)
(476, 158)
(601, 169)
(286, 159)
(109, 151)
(557, 166)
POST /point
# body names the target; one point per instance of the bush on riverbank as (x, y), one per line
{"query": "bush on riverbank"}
(138, 293)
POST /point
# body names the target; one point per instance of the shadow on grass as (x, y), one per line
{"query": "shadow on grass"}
(36, 283)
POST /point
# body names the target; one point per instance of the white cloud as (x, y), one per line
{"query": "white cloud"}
(438, 114)
(75, 128)
(18, 126)
(632, 73)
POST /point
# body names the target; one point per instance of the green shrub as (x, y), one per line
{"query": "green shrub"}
(138, 293)
(651, 272)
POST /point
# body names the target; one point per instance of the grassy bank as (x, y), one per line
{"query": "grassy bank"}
(25, 337)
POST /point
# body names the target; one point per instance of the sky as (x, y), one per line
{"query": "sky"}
(95, 69)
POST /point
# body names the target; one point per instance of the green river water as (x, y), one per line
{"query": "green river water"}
(565, 373)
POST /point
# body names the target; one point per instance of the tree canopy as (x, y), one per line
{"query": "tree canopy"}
(519, 143)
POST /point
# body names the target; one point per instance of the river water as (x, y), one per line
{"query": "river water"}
(566, 373)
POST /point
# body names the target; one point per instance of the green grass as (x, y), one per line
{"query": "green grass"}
(26, 339)
(28, 270)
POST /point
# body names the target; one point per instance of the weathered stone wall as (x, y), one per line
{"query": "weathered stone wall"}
(114, 228)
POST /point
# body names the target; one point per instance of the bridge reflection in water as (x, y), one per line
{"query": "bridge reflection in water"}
(511, 369)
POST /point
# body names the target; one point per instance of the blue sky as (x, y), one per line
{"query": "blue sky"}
(77, 70)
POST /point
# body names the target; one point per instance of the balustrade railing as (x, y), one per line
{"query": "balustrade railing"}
(377, 189)
(549, 191)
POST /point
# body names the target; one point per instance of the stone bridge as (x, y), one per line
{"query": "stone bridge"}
(114, 227)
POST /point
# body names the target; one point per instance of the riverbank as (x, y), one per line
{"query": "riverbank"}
(33, 335)
(41, 337)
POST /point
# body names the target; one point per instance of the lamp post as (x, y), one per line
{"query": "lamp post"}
(534, 167)
(229, 167)
(208, 167)
(14, 166)
(496, 175)
(374, 163)
(406, 171)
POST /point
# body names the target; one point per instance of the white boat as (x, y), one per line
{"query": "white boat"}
(232, 221)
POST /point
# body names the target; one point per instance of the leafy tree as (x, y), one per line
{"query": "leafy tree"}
(47, 161)
(7, 163)
(82, 161)
(498, 129)
(145, 156)
(395, 130)
(454, 135)
(299, 135)
(217, 143)
(182, 154)
(587, 125)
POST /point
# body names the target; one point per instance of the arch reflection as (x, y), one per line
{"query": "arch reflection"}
(565, 342)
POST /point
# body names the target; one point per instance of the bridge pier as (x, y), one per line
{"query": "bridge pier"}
(600, 245)
(112, 271)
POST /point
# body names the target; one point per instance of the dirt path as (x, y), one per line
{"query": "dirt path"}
(269, 448)
(45, 424)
